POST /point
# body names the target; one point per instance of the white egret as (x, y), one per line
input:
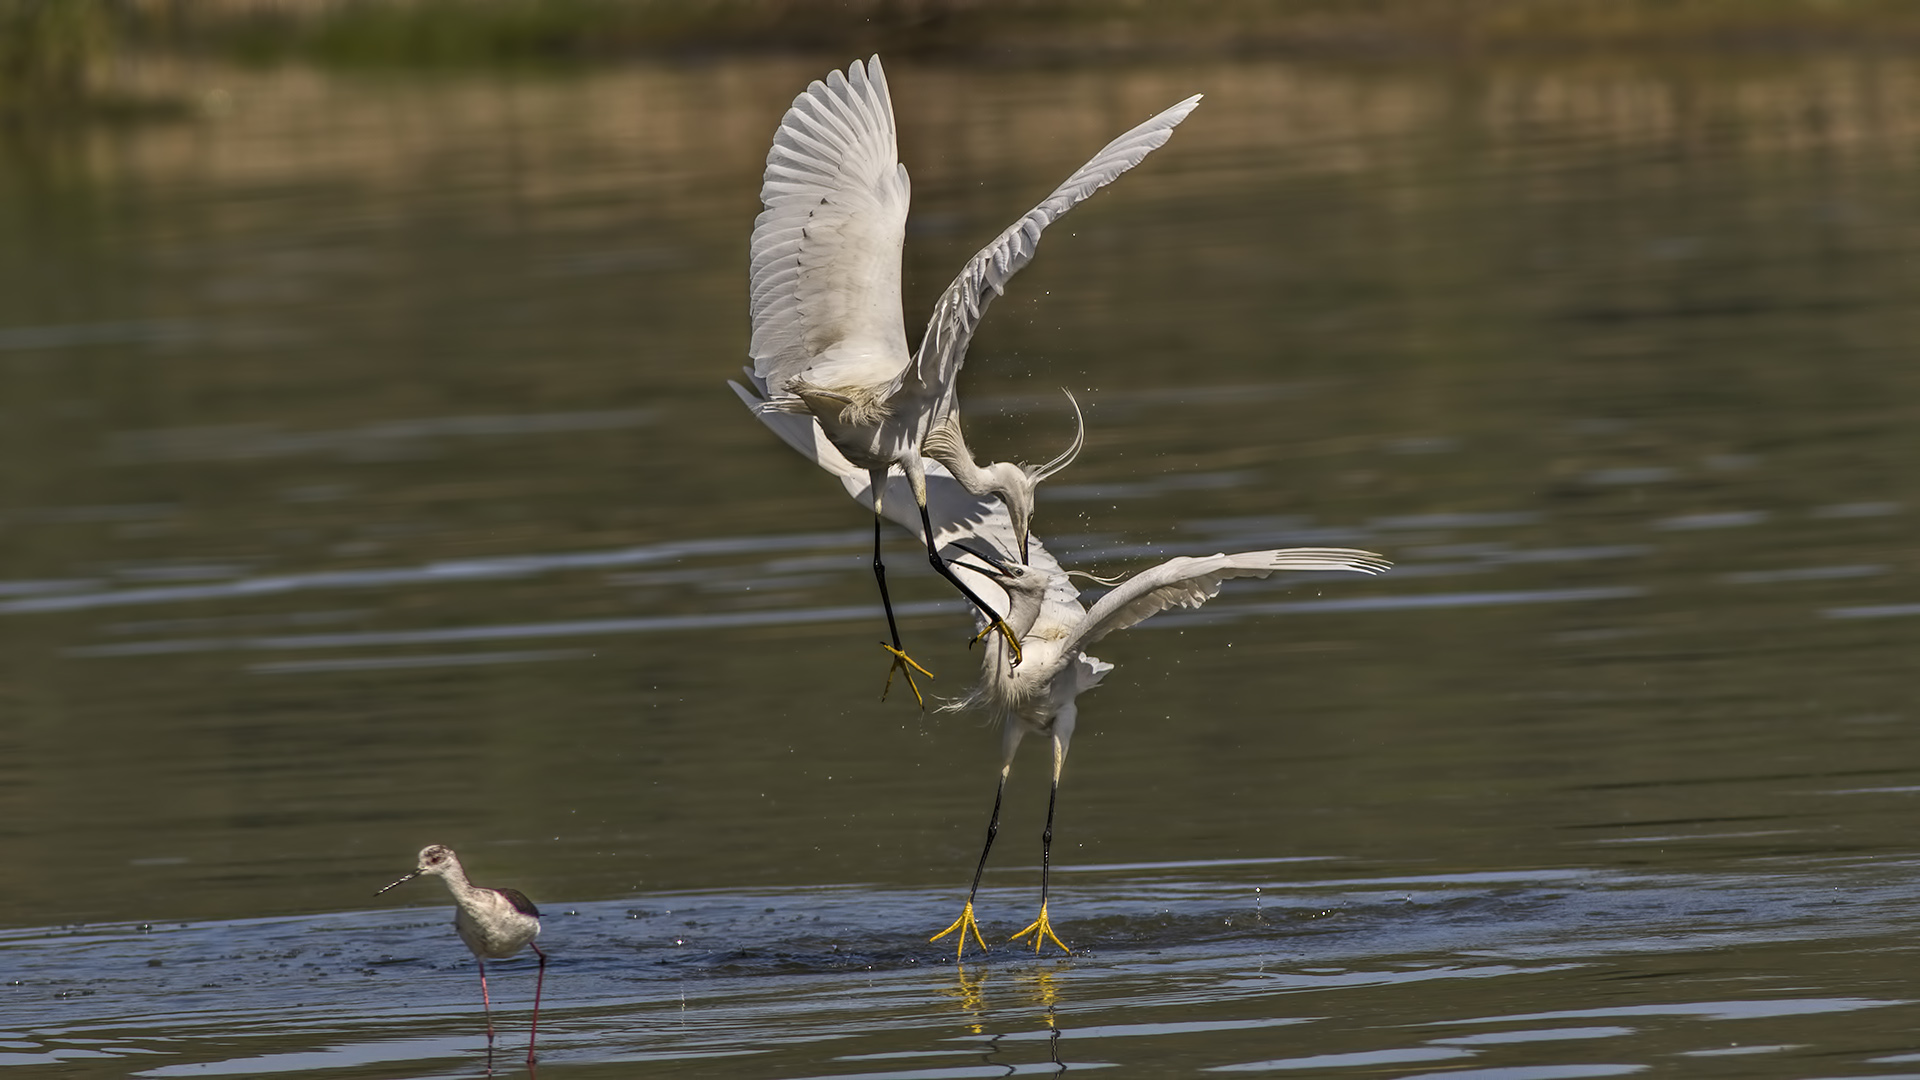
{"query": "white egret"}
(1015, 485)
(494, 924)
(1039, 696)
(829, 339)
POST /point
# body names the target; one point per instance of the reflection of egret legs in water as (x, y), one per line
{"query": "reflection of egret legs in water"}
(969, 991)
(1046, 995)
(1039, 988)
(1043, 989)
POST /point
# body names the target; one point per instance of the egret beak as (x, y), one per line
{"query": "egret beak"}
(402, 881)
(994, 564)
(1021, 517)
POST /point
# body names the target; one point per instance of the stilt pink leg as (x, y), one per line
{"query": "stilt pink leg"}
(485, 1002)
(538, 985)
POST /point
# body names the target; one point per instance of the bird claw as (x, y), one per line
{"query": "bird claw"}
(901, 662)
(1013, 643)
(963, 924)
(1042, 931)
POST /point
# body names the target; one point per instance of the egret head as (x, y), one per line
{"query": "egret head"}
(1014, 485)
(1014, 577)
(1032, 475)
(435, 859)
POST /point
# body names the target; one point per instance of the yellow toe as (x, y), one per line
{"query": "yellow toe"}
(1013, 643)
(964, 924)
(999, 626)
(905, 665)
(1042, 931)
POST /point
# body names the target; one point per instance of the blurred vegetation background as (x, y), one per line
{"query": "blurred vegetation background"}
(59, 57)
(49, 52)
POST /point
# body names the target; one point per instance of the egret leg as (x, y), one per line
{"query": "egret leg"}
(902, 663)
(994, 619)
(1042, 927)
(966, 920)
(539, 983)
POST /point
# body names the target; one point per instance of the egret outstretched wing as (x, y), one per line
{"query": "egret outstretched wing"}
(825, 289)
(1190, 582)
(956, 514)
(799, 431)
(944, 348)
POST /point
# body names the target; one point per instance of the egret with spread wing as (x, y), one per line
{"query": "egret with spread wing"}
(829, 339)
(1043, 608)
(1039, 696)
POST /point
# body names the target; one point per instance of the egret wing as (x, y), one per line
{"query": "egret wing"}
(1190, 582)
(978, 521)
(802, 432)
(989, 529)
(825, 278)
(944, 348)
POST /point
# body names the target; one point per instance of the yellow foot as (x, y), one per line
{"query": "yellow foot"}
(963, 924)
(901, 663)
(1042, 931)
(1013, 643)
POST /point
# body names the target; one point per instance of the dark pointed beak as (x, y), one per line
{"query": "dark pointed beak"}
(402, 881)
(1022, 520)
(994, 564)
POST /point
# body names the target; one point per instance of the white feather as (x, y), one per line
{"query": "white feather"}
(1038, 696)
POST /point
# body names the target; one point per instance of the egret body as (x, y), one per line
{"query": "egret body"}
(1038, 696)
(829, 337)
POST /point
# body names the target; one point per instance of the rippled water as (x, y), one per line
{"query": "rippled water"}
(371, 481)
(1230, 968)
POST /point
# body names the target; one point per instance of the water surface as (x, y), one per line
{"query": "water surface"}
(371, 482)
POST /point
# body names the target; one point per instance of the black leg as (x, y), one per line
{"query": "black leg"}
(880, 575)
(1046, 845)
(993, 830)
(966, 921)
(902, 663)
(1042, 928)
(995, 620)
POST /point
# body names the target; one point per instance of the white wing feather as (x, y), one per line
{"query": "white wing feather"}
(976, 521)
(1184, 581)
(944, 348)
(825, 290)
(981, 522)
(1190, 582)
